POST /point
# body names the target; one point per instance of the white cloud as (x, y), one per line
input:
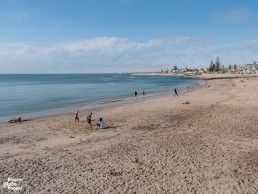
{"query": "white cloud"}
(233, 15)
(100, 44)
(112, 54)
(238, 14)
(163, 42)
(97, 45)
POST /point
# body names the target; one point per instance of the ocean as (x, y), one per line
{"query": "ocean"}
(33, 95)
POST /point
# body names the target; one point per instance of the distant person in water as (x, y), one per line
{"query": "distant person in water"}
(176, 92)
(143, 93)
(76, 116)
(135, 94)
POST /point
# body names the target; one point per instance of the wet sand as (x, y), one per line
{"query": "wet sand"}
(160, 145)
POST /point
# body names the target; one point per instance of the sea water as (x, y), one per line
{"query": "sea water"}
(32, 95)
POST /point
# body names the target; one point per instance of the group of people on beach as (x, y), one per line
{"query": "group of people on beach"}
(136, 93)
(101, 123)
(143, 93)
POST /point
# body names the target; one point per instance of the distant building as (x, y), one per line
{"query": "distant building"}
(247, 69)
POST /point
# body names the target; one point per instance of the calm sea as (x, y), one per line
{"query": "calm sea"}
(32, 95)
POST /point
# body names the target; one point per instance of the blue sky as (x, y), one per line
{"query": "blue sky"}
(104, 36)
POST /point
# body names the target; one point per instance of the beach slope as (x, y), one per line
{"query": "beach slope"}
(203, 141)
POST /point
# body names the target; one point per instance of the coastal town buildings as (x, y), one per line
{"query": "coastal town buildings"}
(216, 67)
(246, 69)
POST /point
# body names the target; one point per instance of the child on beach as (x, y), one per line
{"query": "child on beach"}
(76, 116)
(89, 120)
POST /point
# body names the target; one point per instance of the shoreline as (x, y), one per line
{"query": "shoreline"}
(86, 107)
(205, 76)
(159, 145)
(99, 106)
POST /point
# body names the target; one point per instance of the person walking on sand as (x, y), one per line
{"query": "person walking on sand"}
(176, 92)
(207, 85)
(89, 120)
(76, 116)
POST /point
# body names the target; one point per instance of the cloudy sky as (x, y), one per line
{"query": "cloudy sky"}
(104, 36)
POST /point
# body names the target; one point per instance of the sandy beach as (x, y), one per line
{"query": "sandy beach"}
(161, 145)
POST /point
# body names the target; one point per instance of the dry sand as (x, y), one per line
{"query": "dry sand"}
(155, 146)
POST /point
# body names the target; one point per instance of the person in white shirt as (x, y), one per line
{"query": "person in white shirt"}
(102, 124)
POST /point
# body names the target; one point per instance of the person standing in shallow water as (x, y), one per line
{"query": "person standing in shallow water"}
(135, 94)
(176, 92)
